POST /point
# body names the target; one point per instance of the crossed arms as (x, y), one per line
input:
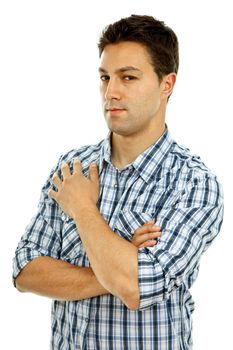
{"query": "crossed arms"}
(189, 225)
(113, 259)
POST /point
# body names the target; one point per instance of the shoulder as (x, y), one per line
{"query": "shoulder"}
(87, 153)
(193, 177)
(186, 160)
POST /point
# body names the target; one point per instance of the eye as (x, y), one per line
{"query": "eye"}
(104, 77)
(128, 77)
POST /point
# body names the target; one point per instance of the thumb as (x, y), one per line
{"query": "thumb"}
(93, 172)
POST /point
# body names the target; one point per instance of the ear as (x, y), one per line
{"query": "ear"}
(167, 85)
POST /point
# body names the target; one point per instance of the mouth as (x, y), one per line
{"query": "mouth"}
(115, 111)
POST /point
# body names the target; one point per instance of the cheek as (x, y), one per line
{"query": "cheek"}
(102, 90)
(147, 92)
(101, 93)
(152, 98)
(145, 107)
(145, 100)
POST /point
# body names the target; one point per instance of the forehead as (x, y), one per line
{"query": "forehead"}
(123, 54)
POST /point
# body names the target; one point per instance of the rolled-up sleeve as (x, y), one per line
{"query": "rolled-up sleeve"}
(188, 228)
(42, 235)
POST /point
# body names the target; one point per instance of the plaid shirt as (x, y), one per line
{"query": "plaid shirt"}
(166, 182)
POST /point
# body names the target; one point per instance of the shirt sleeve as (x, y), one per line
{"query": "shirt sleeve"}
(188, 228)
(42, 235)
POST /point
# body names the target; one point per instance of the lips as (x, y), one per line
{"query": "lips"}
(114, 109)
(114, 112)
(110, 107)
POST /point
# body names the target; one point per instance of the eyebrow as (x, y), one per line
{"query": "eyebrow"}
(122, 69)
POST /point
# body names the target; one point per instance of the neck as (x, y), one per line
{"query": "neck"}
(125, 149)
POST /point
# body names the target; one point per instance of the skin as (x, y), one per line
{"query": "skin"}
(134, 104)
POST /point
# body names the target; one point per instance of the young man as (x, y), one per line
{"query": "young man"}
(98, 206)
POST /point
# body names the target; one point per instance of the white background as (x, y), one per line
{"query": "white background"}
(49, 104)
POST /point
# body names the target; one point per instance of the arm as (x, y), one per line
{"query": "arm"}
(59, 280)
(189, 227)
(114, 259)
(106, 251)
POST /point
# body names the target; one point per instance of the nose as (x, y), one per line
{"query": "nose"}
(112, 91)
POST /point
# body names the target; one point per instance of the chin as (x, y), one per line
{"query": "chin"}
(121, 132)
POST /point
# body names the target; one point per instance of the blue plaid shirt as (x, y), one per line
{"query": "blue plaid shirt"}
(167, 183)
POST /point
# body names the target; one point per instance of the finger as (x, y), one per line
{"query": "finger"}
(65, 169)
(146, 237)
(52, 193)
(93, 173)
(145, 228)
(77, 166)
(56, 180)
(155, 228)
(148, 244)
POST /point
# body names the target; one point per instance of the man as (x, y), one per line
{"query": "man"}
(116, 281)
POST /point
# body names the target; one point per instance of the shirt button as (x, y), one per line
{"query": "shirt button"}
(115, 185)
(86, 319)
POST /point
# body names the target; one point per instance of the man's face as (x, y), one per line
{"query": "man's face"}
(130, 89)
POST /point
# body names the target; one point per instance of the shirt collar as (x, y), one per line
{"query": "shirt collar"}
(148, 162)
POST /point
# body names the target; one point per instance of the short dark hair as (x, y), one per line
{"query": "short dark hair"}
(159, 40)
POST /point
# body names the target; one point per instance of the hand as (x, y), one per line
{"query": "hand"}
(145, 236)
(76, 190)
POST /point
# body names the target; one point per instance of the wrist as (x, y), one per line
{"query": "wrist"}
(82, 210)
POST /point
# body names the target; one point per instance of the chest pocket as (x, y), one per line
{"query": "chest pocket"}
(72, 247)
(128, 221)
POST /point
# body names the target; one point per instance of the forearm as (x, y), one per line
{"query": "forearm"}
(113, 259)
(59, 280)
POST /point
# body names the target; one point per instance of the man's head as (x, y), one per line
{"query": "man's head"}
(159, 40)
(139, 61)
